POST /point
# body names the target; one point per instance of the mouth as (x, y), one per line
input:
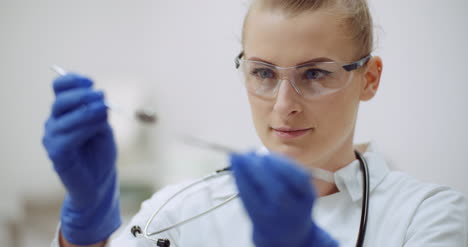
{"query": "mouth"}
(290, 133)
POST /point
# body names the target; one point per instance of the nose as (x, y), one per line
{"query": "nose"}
(287, 102)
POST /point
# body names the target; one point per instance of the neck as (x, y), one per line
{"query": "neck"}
(324, 188)
(333, 162)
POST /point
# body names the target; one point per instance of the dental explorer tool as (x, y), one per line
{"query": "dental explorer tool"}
(317, 173)
(146, 116)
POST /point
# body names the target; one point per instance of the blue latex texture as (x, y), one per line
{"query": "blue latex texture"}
(278, 196)
(81, 146)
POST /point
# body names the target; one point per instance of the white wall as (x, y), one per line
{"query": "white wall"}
(420, 116)
(178, 57)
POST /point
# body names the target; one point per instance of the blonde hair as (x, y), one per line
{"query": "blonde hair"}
(354, 13)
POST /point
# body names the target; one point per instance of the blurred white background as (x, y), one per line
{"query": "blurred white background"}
(177, 57)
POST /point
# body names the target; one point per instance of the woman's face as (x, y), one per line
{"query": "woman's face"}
(311, 131)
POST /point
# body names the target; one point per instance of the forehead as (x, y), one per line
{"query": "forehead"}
(288, 40)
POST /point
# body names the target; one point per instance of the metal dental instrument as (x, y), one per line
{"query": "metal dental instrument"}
(146, 116)
(317, 173)
(193, 141)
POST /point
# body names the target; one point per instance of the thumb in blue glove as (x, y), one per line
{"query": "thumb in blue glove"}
(80, 143)
(278, 197)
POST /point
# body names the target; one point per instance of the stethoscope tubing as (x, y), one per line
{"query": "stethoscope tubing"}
(136, 231)
(365, 199)
(216, 174)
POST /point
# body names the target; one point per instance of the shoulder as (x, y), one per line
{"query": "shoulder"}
(436, 214)
(407, 185)
(397, 184)
(440, 217)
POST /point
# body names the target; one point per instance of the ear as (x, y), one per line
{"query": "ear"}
(371, 80)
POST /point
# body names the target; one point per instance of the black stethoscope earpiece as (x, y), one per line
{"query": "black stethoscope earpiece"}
(163, 242)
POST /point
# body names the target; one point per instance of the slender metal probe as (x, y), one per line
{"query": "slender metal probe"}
(317, 173)
(193, 141)
(146, 116)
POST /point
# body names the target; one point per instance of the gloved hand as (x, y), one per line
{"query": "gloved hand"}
(278, 197)
(80, 143)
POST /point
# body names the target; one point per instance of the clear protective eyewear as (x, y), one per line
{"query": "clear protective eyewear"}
(309, 80)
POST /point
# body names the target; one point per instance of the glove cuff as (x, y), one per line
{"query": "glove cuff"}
(94, 224)
(293, 238)
(92, 234)
(312, 236)
(318, 237)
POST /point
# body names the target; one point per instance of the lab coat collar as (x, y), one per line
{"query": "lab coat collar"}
(349, 178)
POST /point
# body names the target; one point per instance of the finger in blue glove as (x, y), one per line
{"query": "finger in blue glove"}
(278, 196)
(80, 143)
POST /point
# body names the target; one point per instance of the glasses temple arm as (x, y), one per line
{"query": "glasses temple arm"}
(358, 64)
(236, 60)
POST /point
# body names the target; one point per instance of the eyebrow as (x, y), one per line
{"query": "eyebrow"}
(315, 60)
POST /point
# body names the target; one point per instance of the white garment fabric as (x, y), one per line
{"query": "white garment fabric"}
(402, 212)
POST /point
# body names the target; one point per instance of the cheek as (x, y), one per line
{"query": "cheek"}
(260, 110)
(261, 113)
(337, 112)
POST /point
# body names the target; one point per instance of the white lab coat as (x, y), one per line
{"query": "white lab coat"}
(402, 212)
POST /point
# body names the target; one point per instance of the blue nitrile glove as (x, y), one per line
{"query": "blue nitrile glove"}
(278, 197)
(81, 145)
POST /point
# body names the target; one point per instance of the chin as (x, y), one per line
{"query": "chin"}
(296, 152)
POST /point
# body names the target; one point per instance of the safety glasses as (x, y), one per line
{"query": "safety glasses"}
(310, 80)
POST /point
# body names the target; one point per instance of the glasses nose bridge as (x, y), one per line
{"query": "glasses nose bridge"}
(291, 83)
(287, 74)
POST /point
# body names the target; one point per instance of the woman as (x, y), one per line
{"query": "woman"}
(307, 65)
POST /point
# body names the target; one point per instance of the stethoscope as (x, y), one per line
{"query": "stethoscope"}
(137, 231)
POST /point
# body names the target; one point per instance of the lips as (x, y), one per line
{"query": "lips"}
(290, 133)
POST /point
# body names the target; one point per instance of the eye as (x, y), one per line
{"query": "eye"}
(263, 73)
(315, 74)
